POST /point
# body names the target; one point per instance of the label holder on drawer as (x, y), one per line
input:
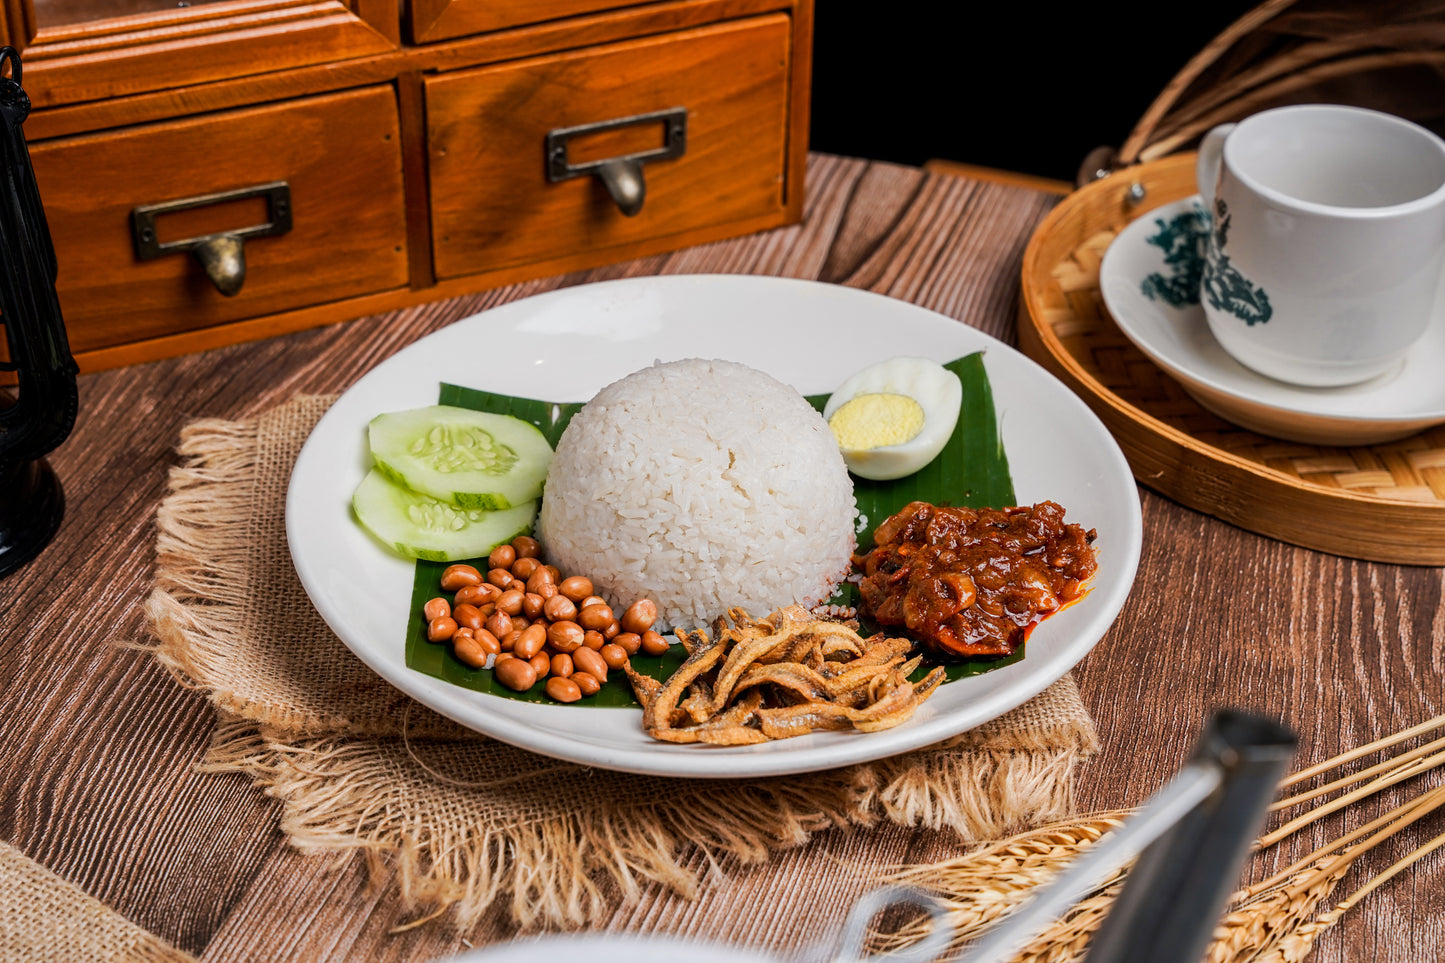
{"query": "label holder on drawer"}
(622, 176)
(222, 254)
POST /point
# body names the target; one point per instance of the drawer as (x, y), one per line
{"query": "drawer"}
(493, 205)
(431, 20)
(339, 157)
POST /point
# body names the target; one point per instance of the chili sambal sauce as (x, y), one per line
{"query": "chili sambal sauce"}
(970, 582)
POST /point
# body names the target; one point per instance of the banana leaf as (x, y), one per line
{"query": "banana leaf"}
(971, 471)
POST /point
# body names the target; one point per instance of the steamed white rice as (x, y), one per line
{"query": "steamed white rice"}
(701, 485)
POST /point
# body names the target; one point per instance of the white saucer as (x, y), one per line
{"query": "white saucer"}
(1177, 338)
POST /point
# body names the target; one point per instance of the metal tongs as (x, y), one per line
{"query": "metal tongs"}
(1191, 839)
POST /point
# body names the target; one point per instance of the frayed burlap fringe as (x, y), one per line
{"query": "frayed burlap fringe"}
(465, 823)
(381, 798)
(44, 919)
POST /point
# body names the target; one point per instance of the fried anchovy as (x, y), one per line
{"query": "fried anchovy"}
(658, 713)
(779, 677)
(729, 728)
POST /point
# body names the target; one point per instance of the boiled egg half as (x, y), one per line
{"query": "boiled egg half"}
(894, 417)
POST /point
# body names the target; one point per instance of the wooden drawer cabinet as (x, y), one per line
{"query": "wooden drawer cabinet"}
(418, 144)
(432, 20)
(339, 156)
(493, 205)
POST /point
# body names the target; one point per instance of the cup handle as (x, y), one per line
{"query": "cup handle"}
(1206, 168)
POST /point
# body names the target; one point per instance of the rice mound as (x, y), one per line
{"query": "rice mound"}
(701, 485)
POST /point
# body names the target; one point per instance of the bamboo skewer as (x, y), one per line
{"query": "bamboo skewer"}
(1389, 765)
(1380, 878)
(1350, 756)
(1335, 805)
(1402, 816)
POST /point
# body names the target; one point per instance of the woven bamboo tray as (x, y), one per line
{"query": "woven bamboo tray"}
(1382, 502)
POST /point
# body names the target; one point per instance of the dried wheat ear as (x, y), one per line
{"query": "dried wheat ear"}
(1275, 920)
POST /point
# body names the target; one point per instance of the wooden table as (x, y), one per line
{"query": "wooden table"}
(98, 744)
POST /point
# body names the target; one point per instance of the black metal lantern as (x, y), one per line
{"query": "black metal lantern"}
(42, 412)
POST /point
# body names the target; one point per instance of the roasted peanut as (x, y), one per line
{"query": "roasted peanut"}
(614, 655)
(487, 641)
(468, 616)
(639, 616)
(596, 617)
(563, 690)
(559, 608)
(587, 682)
(515, 674)
(526, 546)
(442, 629)
(501, 578)
(525, 566)
(530, 641)
(499, 624)
(629, 641)
(437, 608)
(585, 660)
(478, 595)
(532, 605)
(593, 639)
(541, 664)
(654, 643)
(562, 665)
(457, 576)
(510, 601)
(540, 577)
(502, 557)
(469, 651)
(591, 600)
(565, 636)
(611, 630)
(508, 642)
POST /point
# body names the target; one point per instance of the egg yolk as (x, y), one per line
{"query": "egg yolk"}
(876, 421)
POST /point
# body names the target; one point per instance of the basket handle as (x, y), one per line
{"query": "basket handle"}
(1139, 137)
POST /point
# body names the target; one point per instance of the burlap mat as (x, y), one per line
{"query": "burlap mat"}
(44, 919)
(467, 821)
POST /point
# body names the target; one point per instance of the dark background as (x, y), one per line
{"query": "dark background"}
(1030, 87)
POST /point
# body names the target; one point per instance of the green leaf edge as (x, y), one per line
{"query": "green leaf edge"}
(974, 453)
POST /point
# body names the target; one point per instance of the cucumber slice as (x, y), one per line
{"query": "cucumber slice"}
(419, 526)
(473, 459)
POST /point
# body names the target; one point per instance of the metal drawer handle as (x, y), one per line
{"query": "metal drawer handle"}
(222, 255)
(622, 176)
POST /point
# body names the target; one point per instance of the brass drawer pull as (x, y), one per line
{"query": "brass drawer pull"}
(622, 176)
(222, 255)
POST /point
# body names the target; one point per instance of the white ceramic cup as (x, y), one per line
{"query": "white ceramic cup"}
(1327, 241)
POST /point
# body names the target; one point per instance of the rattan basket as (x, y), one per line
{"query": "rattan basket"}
(1382, 502)
(1388, 55)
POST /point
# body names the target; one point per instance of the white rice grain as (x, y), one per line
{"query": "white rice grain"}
(702, 485)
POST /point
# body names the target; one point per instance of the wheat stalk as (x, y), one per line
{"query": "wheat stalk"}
(1273, 921)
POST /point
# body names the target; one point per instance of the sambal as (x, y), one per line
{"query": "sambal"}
(968, 582)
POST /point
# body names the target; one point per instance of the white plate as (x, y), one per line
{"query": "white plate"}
(1393, 405)
(568, 344)
(609, 948)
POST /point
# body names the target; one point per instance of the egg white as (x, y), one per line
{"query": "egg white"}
(938, 392)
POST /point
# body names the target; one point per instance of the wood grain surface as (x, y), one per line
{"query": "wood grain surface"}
(348, 236)
(98, 746)
(492, 204)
